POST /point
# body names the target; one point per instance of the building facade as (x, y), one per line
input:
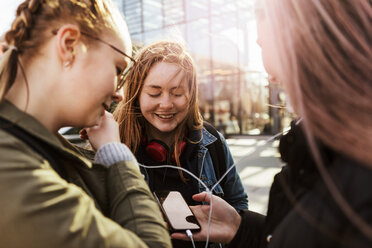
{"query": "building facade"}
(234, 92)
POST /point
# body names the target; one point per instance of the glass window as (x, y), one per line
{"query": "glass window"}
(221, 37)
(119, 4)
(133, 15)
(196, 9)
(173, 12)
(198, 38)
(152, 14)
(223, 6)
(175, 32)
(152, 36)
(225, 40)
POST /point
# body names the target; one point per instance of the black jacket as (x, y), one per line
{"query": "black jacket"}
(302, 212)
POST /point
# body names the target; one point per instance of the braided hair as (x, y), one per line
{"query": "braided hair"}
(35, 22)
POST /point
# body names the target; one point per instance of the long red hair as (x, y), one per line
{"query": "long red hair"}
(128, 113)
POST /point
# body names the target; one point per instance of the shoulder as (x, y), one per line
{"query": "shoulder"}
(14, 151)
(207, 136)
(354, 180)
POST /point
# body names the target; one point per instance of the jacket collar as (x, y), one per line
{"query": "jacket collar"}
(27, 122)
(204, 137)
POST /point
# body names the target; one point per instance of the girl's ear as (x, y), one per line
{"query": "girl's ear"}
(68, 37)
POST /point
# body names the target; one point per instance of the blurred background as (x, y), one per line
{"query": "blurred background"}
(235, 95)
(221, 36)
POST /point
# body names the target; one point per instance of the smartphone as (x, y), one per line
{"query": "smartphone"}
(176, 211)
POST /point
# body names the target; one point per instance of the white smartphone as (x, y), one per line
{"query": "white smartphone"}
(177, 213)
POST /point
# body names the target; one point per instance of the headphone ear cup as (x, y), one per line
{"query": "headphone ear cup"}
(181, 148)
(157, 151)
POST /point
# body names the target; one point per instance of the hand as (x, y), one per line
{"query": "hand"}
(106, 131)
(225, 220)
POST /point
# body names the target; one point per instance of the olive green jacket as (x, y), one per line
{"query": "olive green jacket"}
(98, 207)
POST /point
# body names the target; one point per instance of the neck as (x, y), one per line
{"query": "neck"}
(34, 97)
(153, 133)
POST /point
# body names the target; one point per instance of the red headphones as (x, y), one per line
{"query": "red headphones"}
(159, 151)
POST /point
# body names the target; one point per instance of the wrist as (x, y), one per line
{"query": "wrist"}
(236, 222)
(112, 153)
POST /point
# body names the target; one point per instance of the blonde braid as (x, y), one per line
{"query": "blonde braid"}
(36, 19)
(22, 25)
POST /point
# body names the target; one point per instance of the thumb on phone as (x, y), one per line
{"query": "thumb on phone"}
(202, 197)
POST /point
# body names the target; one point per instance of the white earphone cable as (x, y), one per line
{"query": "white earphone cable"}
(209, 191)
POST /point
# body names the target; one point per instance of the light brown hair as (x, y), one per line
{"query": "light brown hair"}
(128, 112)
(36, 19)
(326, 53)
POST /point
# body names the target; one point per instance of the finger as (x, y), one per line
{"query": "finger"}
(202, 197)
(198, 208)
(198, 236)
(198, 212)
(181, 236)
(108, 115)
(83, 134)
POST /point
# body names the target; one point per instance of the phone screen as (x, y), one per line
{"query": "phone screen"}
(178, 213)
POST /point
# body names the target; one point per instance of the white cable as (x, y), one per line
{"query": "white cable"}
(209, 191)
(189, 234)
(177, 168)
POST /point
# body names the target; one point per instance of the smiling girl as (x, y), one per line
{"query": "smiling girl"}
(159, 120)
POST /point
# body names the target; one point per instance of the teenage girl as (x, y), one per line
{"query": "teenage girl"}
(61, 68)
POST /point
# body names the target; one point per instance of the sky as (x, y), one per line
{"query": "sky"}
(7, 13)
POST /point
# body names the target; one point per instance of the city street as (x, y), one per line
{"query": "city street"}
(257, 162)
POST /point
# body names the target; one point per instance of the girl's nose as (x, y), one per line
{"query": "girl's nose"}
(166, 102)
(117, 96)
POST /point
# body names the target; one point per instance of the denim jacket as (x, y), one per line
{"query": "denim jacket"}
(233, 190)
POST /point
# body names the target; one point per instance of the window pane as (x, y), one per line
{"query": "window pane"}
(173, 12)
(133, 15)
(152, 14)
(196, 9)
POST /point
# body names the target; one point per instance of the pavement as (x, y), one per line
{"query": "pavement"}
(257, 161)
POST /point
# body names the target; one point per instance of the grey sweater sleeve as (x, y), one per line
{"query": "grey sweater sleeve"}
(112, 153)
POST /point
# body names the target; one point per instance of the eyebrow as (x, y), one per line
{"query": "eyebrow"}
(159, 87)
(152, 86)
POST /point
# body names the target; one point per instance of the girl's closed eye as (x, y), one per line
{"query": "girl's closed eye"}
(178, 92)
(153, 95)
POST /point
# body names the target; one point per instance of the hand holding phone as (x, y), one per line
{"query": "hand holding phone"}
(177, 213)
(225, 220)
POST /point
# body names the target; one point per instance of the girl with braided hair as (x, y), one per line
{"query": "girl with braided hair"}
(51, 194)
